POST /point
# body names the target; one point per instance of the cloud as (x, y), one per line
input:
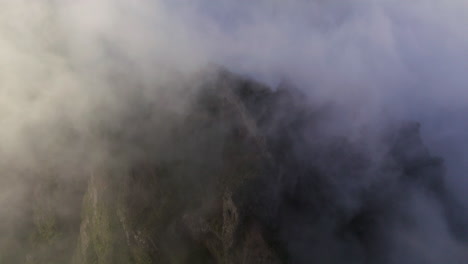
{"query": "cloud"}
(68, 69)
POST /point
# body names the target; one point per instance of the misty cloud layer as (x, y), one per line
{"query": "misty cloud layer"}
(70, 71)
(404, 59)
(407, 59)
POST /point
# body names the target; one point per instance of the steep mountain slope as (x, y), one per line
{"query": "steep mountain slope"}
(248, 175)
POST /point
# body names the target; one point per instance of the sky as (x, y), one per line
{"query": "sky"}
(405, 58)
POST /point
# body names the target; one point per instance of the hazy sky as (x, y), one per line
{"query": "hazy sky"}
(407, 57)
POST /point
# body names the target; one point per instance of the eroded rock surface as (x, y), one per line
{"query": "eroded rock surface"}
(249, 175)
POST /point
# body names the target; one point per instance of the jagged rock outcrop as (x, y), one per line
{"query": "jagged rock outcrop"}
(182, 208)
(249, 175)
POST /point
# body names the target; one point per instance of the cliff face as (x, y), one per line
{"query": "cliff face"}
(248, 176)
(185, 207)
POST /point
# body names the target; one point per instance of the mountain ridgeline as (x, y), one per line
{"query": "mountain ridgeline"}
(248, 174)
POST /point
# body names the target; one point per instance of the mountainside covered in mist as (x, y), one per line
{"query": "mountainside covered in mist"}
(250, 175)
